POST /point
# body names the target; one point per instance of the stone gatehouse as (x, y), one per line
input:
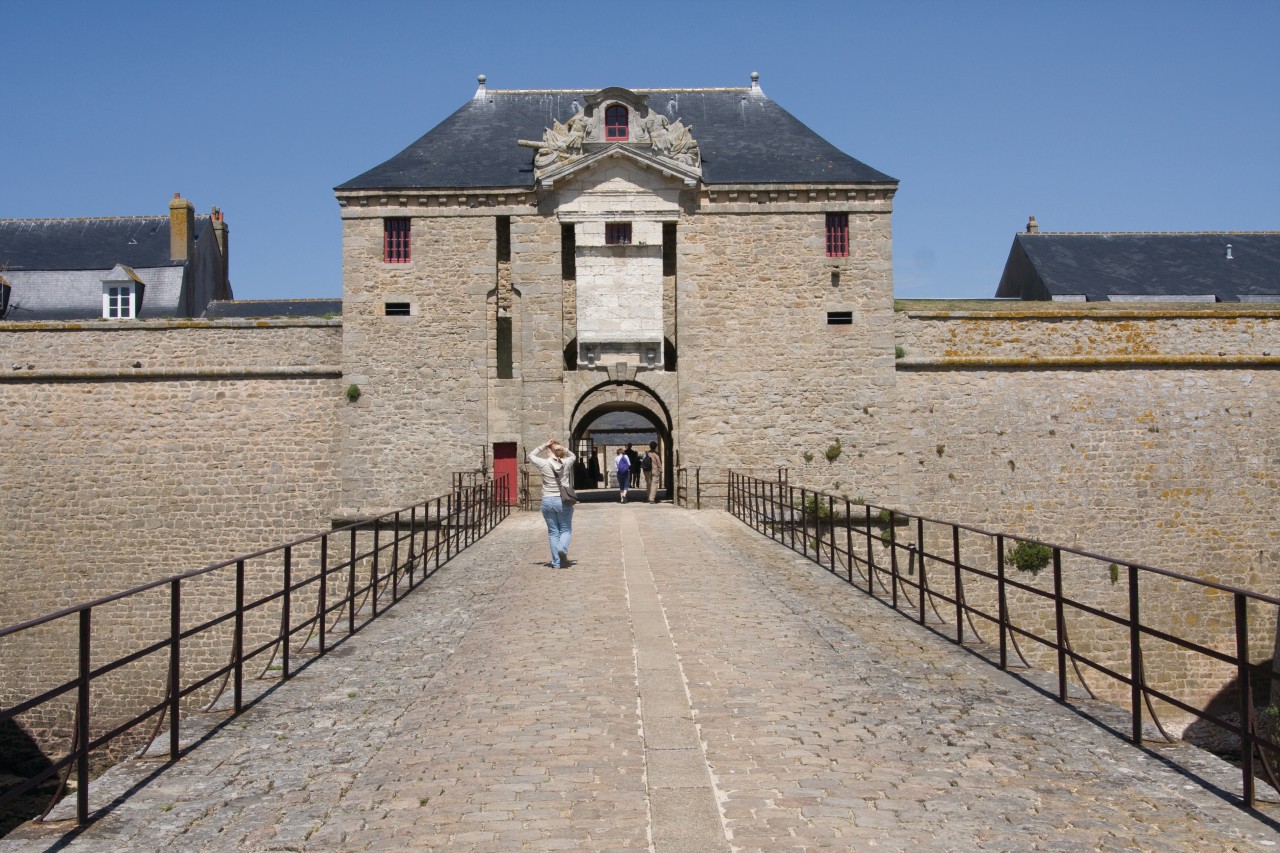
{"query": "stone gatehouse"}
(695, 256)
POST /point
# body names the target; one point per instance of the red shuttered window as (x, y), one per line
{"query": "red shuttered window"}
(615, 124)
(395, 241)
(837, 235)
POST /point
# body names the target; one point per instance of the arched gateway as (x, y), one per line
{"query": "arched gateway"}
(626, 396)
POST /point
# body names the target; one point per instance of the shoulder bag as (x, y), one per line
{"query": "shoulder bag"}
(568, 496)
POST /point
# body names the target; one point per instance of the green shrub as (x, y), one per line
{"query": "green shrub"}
(353, 392)
(1030, 557)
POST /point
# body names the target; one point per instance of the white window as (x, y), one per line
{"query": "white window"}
(118, 301)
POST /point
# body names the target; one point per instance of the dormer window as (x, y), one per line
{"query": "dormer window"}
(121, 294)
(616, 123)
(117, 302)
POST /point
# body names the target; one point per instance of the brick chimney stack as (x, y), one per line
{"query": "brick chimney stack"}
(1033, 227)
(222, 235)
(182, 226)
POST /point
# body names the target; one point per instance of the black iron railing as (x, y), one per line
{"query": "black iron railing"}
(270, 612)
(968, 581)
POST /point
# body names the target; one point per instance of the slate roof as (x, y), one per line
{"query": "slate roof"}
(140, 242)
(744, 138)
(77, 294)
(1105, 266)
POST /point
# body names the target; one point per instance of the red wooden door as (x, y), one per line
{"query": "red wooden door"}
(504, 463)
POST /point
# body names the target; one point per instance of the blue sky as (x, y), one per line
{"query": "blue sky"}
(1093, 116)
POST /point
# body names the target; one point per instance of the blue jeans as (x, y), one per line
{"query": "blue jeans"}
(559, 520)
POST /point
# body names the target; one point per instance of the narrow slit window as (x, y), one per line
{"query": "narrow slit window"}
(839, 318)
(837, 235)
(395, 240)
(615, 124)
(568, 252)
(397, 309)
(617, 233)
(504, 238)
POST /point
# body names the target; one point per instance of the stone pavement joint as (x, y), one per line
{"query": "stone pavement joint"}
(686, 685)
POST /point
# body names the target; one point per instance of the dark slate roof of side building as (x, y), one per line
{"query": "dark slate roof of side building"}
(1229, 266)
(744, 138)
(141, 242)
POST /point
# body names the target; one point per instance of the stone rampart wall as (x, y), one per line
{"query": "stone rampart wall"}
(1141, 433)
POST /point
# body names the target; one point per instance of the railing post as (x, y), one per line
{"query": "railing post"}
(893, 558)
(438, 529)
(175, 663)
(848, 539)
(1060, 619)
(923, 579)
(831, 522)
(1246, 696)
(324, 582)
(804, 521)
(395, 560)
(82, 719)
(351, 585)
(871, 562)
(413, 540)
(1002, 603)
(286, 612)
(373, 569)
(238, 640)
(1136, 677)
(958, 583)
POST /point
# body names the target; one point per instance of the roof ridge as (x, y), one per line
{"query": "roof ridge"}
(1141, 233)
(592, 91)
(92, 218)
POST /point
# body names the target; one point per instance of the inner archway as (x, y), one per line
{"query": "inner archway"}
(614, 414)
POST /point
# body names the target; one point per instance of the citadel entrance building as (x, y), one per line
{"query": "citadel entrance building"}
(541, 258)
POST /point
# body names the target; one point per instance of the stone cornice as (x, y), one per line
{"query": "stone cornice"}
(165, 325)
(151, 374)
(1087, 362)
(1020, 310)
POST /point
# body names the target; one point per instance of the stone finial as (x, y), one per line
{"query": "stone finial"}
(481, 89)
(1033, 227)
(755, 79)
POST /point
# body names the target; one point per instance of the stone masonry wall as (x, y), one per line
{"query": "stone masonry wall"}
(765, 382)
(222, 442)
(1142, 433)
(421, 414)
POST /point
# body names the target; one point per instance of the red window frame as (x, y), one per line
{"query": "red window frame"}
(837, 235)
(395, 240)
(617, 233)
(616, 124)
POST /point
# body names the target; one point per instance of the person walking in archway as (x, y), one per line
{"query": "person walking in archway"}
(555, 469)
(623, 463)
(651, 465)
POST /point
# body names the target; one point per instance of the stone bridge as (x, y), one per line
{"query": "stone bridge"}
(685, 685)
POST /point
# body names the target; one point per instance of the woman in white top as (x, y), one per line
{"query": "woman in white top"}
(554, 468)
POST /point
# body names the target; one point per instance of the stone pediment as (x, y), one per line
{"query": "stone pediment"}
(616, 119)
(610, 154)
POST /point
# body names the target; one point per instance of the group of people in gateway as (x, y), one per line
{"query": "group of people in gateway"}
(628, 465)
(556, 465)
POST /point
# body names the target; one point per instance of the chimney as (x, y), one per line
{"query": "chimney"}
(222, 236)
(1033, 227)
(182, 226)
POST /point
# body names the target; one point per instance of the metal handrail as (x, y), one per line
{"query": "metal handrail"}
(295, 614)
(869, 554)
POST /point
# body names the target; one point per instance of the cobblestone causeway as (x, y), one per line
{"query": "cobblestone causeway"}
(685, 685)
